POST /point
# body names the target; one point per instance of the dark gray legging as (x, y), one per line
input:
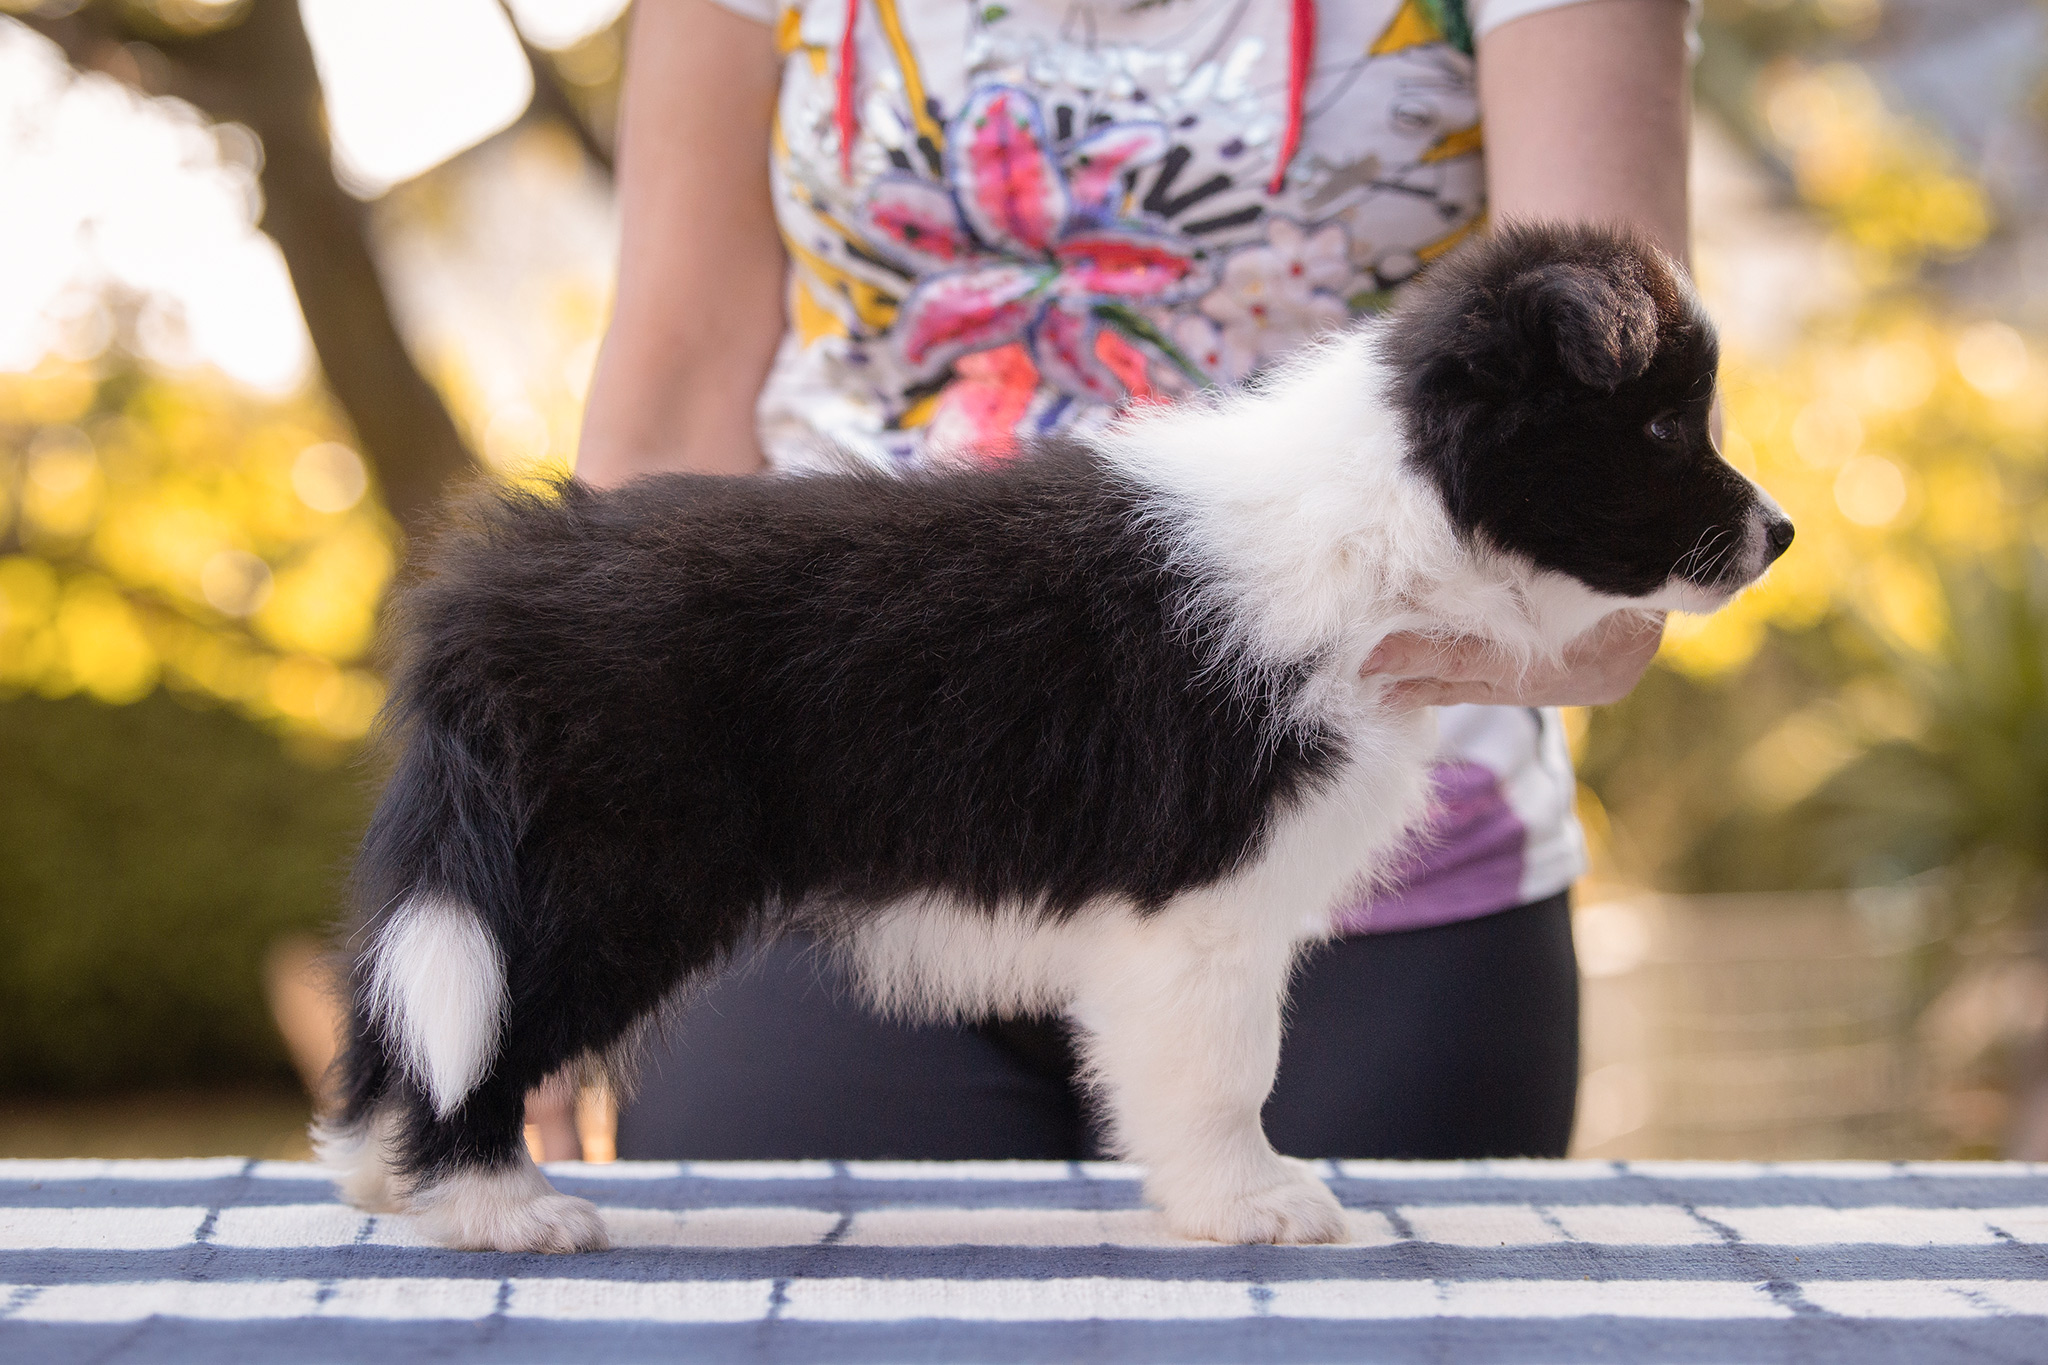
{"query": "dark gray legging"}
(1457, 1041)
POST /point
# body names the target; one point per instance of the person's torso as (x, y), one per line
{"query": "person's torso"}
(1050, 211)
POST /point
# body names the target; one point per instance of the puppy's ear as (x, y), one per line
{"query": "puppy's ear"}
(1600, 324)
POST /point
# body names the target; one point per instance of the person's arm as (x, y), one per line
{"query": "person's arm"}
(699, 309)
(1586, 114)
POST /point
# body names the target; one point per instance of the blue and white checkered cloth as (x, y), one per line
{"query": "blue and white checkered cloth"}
(227, 1260)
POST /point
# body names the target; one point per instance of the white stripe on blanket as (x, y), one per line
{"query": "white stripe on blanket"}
(1453, 1225)
(1058, 1300)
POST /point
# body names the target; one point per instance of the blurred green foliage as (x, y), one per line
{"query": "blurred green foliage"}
(1876, 709)
(1972, 777)
(149, 854)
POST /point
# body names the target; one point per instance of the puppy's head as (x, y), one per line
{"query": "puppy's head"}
(1555, 383)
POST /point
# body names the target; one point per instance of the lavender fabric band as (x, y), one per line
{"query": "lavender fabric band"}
(1466, 861)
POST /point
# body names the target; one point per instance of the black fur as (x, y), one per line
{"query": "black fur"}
(639, 726)
(1531, 368)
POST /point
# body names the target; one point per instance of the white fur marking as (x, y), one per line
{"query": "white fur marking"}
(1180, 1009)
(438, 986)
(507, 1208)
(931, 958)
(360, 1161)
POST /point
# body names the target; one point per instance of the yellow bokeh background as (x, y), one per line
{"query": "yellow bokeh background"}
(174, 532)
(1895, 433)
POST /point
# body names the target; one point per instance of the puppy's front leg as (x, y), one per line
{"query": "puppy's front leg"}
(1180, 1018)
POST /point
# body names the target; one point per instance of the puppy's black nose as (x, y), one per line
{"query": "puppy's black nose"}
(1777, 536)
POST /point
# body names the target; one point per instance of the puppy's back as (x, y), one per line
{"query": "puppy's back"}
(852, 687)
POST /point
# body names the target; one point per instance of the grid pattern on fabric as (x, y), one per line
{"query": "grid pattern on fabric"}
(1045, 1260)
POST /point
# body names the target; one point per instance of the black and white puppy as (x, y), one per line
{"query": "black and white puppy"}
(1084, 732)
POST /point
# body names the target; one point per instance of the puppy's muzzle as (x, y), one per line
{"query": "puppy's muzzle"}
(1767, 537)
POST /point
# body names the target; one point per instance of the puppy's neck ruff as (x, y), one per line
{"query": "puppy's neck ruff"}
(1296, 503)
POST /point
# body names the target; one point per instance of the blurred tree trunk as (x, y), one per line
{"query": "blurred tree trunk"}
(552, 100)
(259, 72)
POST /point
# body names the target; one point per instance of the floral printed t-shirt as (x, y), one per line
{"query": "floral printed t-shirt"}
(1011, 217)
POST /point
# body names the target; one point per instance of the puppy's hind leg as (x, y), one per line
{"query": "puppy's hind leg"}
(1181, 1019)
(459, 1059)
(357, 1142)
(361, 1158)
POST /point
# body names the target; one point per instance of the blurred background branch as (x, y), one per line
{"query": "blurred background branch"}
(250, 64)
(552, 100)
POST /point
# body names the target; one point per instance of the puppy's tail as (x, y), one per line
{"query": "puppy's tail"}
(435, 878)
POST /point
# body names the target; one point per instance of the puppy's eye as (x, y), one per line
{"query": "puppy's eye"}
(1667, 429)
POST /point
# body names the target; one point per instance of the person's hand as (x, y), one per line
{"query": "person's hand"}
(1600, 666)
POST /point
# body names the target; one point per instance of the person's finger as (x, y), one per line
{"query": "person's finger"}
(1411, 695)
(1397, 655)
(1604, 664)
(1422, 656)
(1415, 693)
(1633, 630)
(1616, 637)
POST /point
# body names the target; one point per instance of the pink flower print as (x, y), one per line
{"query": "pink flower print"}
(919, 218)
(978, 413)
(1063, 342)
(1128, 363)
(1009, 191)
(1096, 165)
(1026, 250)
(1127, 265)
(961, 311)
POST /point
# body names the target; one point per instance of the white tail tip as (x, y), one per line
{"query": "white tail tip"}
(437, 983)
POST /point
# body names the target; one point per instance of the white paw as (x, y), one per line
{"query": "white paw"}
(509, 1210)
(359, 1161)
(553, 1222)
(1300, 1210)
